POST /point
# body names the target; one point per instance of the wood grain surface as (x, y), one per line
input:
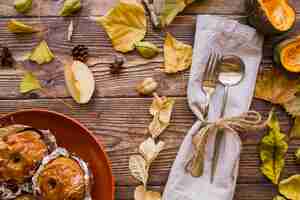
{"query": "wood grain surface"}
(117, 114)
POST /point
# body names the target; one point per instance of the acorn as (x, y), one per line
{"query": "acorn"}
(81, 53)
(117, 64)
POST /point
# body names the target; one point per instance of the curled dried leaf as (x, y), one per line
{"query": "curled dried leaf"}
(147, 87)
(276, 87)
(150, 150)
(69, 7)
(290, 187)
(29, 83)
(273, 149)
(16, 26)
(147, 49)
(161, 110)
(125, 24)
(23, 6)
(139, 168)
(41, 54)
(141, 193)
(178, 56)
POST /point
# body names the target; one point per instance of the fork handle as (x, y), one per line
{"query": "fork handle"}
(224, 102)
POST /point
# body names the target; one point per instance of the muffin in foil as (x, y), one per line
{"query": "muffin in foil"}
(22, 149)
(62, 176)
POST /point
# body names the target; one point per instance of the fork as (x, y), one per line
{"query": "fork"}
(209, 81)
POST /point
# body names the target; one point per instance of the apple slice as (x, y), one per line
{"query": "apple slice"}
(80, 82)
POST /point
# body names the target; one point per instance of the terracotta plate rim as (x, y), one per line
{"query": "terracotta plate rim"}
(20, 112)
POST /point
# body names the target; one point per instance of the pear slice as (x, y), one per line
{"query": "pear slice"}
(80, 82)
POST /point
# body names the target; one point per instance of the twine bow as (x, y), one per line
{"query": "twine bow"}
(249, 121)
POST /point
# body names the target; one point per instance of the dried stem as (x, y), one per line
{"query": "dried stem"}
(154, 18)
(57, 99)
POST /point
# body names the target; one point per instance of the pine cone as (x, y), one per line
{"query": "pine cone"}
(80, 52)
(6, 59)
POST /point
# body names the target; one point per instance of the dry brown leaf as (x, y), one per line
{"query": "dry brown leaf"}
(150, 150)
(161, 110)
(139, 168)
(125, 25)
(178, 56)
(276, 87)
(141, 193)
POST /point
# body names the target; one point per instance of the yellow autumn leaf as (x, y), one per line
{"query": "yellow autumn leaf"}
(273, 148)
(150, 150)
(290, 187)
(125, 24)
(41, 54)
(139, 168)
(276, 87)
(161, 110)
(178, 56)
(297, 154)
(16, 26)
(29, 83)
(141, 193)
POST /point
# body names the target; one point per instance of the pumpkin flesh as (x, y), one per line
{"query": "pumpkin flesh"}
(279, 13)
(290, 56)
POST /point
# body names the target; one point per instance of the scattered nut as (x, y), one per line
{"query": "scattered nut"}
(147, 87)
(117, 64)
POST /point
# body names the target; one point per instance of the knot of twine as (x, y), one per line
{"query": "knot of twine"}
(249, 121)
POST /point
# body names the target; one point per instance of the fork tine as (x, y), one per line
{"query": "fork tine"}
(207, 67)
(213, 73)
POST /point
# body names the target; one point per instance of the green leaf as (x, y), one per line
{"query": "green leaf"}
(295, 132)
(29, 83)
(16, 26)
(23, 6)
(273, 148)
(69, 7)
(290, 187)
(41, 54)
(147, 49)
(279, 198)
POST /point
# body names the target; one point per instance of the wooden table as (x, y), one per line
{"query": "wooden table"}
(117, 114)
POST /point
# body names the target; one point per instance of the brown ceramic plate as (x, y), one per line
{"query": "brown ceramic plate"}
(73, 136)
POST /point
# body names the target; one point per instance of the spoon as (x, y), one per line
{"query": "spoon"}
(231, 72)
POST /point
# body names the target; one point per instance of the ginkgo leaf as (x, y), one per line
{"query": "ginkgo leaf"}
(290, 187)
(150, 150)
(178, 56)
(161, 110)
(147, 49)
(295, 132)
(41, 54)
(273, 149)
(141, 193)
(23, 6)
(69, 7)
(276, 87)
(125, 24)
(29, 83)
(139, 168)
(16, 26)
(169, 9)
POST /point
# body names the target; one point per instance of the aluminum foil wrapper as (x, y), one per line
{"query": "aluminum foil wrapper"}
(10, 189)
(61, 152)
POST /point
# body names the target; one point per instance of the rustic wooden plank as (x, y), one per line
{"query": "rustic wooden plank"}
(96, 7)
(243, 192)
(121, 124)
(91, 35)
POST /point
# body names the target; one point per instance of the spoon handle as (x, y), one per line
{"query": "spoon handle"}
(224, 102)
(219, 137)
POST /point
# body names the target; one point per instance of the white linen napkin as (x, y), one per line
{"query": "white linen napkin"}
(230, 38)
